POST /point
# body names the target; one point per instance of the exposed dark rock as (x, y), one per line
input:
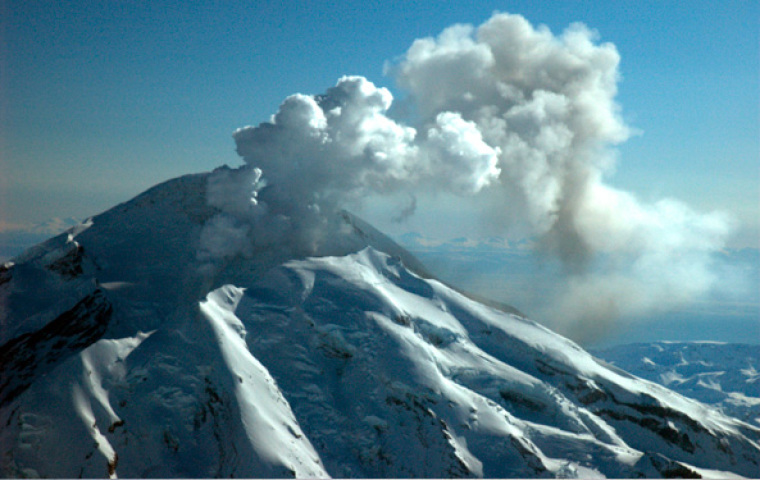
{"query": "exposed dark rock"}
(30, 355)
(667, 467)
(521, 401)
(6, 273)
(70, 264)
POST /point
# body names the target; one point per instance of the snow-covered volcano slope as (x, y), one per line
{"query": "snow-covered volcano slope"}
(122, 355)
(724, 375)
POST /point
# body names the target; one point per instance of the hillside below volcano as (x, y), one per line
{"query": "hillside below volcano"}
(125, 352)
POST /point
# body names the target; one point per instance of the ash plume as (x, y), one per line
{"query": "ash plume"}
(521, 118)
(407, 211)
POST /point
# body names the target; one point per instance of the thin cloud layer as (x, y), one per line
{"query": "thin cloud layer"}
(511, 113)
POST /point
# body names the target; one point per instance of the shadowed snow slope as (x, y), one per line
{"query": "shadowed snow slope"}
(125, 353)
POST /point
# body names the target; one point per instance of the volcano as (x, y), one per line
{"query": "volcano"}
(123, 353)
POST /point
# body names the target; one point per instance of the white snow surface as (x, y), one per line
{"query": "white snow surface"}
(724, 375)
(122, 355)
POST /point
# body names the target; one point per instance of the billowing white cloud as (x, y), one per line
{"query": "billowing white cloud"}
(458, 155)
(546, 102)
(505, 111)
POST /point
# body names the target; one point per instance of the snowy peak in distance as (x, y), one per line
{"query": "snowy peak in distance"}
(418, 241)
(135, 346)
(14, 239)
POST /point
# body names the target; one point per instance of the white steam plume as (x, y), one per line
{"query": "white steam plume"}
(318, 154)
(525, 119)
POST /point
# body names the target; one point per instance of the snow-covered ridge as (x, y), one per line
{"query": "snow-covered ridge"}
(351, 364)
(14, 239)
(724, 375)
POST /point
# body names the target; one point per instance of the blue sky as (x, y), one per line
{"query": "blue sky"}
(101, 100)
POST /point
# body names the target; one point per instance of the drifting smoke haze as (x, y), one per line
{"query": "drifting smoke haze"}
(521, 119)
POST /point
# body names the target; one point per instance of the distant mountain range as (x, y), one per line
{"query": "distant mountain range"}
(14, 239)
(726, 376)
